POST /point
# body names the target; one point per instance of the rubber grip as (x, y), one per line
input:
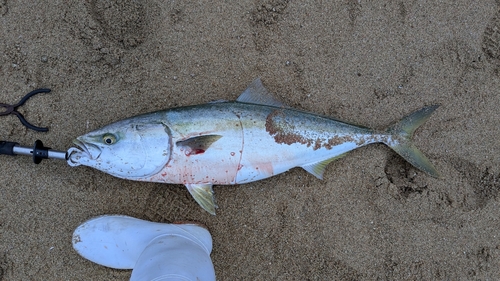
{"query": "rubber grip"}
(7, 147)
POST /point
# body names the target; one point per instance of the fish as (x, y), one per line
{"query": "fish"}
(235, 142)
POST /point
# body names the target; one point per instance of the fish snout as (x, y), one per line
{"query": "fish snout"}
(85, 151)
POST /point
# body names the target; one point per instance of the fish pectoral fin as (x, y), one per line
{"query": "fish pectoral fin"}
(256, 93)
(318, 168)
(204, 195)
(197, 145)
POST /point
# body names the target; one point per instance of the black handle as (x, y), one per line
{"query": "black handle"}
(7, 147)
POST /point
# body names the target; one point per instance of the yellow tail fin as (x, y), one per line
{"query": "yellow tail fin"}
(402, 133)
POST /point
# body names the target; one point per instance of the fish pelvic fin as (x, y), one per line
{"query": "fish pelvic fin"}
(401, 141)
(203, 194)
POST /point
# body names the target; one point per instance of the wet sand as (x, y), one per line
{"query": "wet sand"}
(373, 217)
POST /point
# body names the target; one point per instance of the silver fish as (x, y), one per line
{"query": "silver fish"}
(225, 143)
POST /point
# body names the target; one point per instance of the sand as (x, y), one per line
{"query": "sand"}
(373, 217)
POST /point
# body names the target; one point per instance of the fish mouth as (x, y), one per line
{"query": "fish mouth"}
(81, 146)
(93, 151)
(85, 151)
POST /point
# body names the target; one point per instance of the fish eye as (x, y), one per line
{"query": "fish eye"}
(109, 139)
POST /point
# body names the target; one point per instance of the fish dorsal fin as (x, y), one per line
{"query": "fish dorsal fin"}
(197, 145)
(257, 94)
(203, 194)
(318, 168)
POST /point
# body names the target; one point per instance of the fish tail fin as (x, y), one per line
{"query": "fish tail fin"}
(401, 140)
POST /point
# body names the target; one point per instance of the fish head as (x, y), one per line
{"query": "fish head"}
(127, 149)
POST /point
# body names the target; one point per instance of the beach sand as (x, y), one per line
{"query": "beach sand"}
(373, 217)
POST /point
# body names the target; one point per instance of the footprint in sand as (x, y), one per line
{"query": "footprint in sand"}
(123, 21)
(491, 39)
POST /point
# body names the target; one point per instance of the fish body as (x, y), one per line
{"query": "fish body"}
(227, 143)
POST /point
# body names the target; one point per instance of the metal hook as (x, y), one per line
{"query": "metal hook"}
(12, 109)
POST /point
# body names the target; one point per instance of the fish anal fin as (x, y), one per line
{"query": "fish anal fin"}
(203, 194)
(197, 145)
(256, 93)
(317, 169)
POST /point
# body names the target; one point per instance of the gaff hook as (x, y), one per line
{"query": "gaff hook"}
(12, 109)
